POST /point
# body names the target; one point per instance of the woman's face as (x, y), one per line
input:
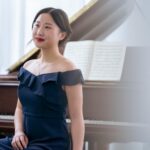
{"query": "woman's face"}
(46, 34)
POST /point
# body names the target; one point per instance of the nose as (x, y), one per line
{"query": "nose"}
(40, 31)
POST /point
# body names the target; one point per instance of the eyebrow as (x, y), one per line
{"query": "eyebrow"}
(47, 23)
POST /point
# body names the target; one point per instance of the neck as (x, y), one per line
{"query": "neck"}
(50, 55)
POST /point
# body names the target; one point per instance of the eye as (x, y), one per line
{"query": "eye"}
(47, 27)
(36, 25)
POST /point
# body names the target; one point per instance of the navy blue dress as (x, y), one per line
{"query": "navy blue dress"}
(44, 108)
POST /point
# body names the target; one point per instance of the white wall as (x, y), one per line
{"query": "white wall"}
(135, 30)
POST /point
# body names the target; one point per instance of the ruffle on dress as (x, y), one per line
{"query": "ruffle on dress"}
(36, 82)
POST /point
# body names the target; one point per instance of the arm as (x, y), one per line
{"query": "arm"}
(18, 118)
(20, 140)
(75, 104)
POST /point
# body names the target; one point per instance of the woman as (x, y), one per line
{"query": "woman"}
(47, 86)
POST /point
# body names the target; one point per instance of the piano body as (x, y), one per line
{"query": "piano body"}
(113, 111)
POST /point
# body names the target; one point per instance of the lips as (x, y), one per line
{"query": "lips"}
(39, 39)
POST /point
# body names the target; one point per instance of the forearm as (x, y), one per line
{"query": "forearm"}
(77, 132)
(18, 120)
(19, 140)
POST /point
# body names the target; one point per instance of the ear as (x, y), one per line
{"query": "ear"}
(62, 35)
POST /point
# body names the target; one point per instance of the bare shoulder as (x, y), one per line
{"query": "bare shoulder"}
(68, 64)
(29, 63)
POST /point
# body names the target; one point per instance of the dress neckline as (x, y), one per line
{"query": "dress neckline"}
(49, 73)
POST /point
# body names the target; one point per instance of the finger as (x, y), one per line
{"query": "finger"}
(23, 141)
(18, 143)
(26, 140)
(13, 143)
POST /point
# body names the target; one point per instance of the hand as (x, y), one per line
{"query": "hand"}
(19, 141)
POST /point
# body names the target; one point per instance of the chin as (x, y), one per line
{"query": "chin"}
(38, 45)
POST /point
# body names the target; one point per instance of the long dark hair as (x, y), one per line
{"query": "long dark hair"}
(62, 21)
